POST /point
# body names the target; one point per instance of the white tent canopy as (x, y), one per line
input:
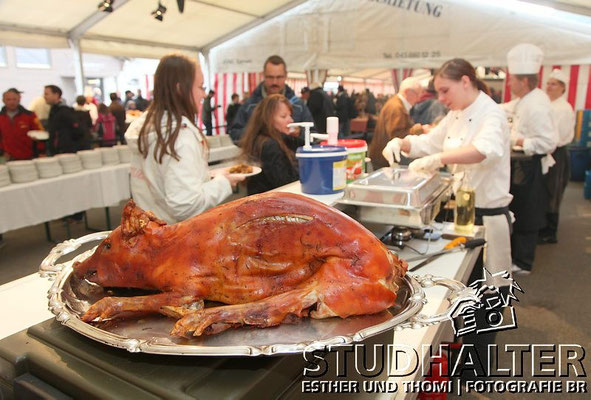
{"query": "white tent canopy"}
(130, 30)
(349, 36)
(361, 38)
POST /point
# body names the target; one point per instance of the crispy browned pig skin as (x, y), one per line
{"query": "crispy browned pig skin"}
(270, 257)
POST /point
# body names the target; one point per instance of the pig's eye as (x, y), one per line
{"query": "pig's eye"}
(107, 245)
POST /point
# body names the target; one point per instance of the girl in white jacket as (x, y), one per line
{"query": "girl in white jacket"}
(169, 170)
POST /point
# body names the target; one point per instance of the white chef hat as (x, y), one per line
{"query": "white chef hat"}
(559, 75)
(524, 59)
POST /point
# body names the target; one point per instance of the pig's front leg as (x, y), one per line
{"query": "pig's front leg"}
(117, 307)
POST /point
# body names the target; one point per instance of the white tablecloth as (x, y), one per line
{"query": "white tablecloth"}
(43, 200)
(223, 153)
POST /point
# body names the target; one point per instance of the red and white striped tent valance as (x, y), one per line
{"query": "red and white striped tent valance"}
(226, 84)
(578, 90)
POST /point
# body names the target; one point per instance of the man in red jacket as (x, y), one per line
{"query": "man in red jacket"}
(15, 122)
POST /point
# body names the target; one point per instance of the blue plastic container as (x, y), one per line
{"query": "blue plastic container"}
(587, 185)
(579, 162)
(322, 169)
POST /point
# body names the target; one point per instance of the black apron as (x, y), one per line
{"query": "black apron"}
(530, 194)
(557, 178)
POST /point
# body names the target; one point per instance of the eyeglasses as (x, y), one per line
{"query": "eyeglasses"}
(274, 77)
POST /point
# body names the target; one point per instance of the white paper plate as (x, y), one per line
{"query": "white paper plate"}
(38, 135)
(255, 171)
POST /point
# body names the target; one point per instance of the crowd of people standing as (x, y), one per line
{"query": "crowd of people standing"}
(71, 127)
(421, 123)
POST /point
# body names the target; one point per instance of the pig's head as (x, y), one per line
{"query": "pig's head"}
(121, 260)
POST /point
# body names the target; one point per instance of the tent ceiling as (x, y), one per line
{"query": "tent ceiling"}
(366, 39)
(582, 7)
(130, 30)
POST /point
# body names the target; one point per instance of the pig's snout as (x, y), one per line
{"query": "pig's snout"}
(84, 270)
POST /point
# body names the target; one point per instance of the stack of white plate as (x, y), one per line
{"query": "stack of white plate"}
(4, 176)
(109, 155)
(124, 153)
(213, 141)
(22, 171)
(70, 163)
(90, 159)
(225, 140)
(48, 167)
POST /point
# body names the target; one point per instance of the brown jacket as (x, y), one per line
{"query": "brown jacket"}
(394, 121)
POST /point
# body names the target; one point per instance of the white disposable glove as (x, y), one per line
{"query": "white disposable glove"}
(426, 164)
(392, 151)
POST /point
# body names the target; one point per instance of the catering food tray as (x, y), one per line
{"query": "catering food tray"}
(398, 196)
(69, 298)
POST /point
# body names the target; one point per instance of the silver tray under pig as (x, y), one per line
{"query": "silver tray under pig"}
(69, 298)
(398, 196)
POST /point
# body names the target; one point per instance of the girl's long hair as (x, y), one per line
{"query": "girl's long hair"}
(173, 99)
(456, 68)
(260, 128)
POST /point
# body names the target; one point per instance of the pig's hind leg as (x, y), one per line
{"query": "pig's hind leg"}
(267, 312)
(124, 307)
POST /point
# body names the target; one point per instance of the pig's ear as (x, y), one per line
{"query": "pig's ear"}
(134, 222)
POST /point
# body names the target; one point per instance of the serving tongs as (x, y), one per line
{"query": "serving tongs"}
(458, 244)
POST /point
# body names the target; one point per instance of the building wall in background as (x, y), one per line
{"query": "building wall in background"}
(117, 74)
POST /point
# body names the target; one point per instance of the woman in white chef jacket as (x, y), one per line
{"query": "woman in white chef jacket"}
(473, 138)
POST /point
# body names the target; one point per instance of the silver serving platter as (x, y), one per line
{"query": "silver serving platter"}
(69, 298)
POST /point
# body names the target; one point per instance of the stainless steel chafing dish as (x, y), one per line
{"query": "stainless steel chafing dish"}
(397, 196)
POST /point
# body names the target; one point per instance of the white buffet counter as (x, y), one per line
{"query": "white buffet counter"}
(43, 200)
(32, 203)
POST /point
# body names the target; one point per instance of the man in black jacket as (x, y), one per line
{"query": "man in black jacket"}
(206, 113)
(275, 73)
(232, 109)
(320, 106)
(141, 103)
(119, 113)
(343, 111)
(65, 135)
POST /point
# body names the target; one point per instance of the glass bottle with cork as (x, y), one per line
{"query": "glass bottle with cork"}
(465, 210)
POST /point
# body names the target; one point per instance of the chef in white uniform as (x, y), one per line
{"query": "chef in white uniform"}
(472, 138)
(533, 130)
(558, 175)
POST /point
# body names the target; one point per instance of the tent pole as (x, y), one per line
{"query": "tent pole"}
(78, 66)
(207, 78)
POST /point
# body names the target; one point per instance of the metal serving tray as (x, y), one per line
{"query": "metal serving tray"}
(69, 298)
(397, 196)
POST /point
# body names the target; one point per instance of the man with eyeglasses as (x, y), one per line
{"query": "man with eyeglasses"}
(275, 73)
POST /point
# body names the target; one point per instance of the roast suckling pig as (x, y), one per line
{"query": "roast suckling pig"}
(271, 258)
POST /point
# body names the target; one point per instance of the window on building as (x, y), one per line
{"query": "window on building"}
(2, 56)
(32, 58)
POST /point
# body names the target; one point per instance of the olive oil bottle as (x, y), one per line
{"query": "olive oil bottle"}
(465, 211)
